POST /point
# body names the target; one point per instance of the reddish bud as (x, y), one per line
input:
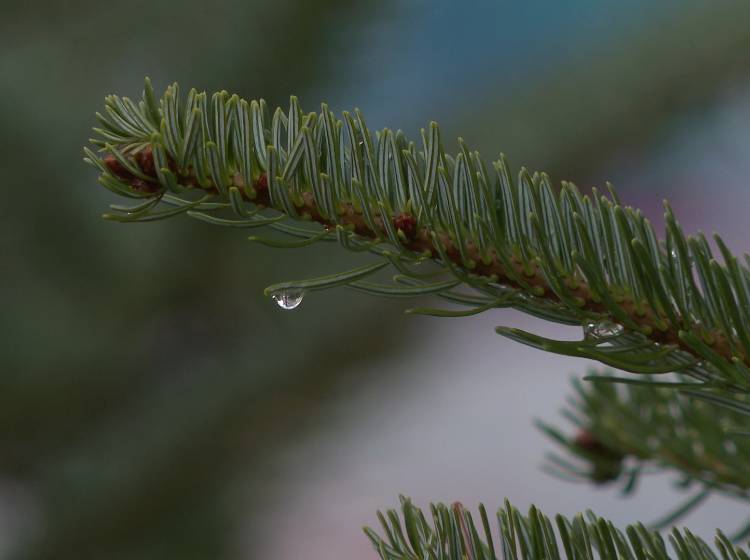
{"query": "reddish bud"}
(191, 181)
(116, 168)
(406, 223)
(144, 186)
(261, 183)
(145, 160)
(586, 440)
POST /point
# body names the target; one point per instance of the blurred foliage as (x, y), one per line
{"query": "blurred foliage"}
(612, 94)
(133, 382)
(143, 373)
(622, 432)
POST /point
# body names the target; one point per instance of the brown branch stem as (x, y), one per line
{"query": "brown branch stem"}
(420, 241)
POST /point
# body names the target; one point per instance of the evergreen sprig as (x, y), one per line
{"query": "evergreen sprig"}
(623, 431)
(479, 236)
(452, 534)
(647, 306)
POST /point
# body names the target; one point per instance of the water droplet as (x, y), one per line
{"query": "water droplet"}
(598, 330)
(289, 298)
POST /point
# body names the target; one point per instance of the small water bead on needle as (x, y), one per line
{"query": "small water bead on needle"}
(289, 298)
(599, 330)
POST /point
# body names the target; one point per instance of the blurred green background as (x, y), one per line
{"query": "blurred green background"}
(148, 389)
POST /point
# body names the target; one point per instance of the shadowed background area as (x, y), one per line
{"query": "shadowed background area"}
(153, 404)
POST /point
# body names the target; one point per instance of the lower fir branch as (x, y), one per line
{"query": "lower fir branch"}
(453, 533)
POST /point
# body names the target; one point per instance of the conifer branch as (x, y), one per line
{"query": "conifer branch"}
(452, 534)
(647, 306)
(447, 225)
(652, 428)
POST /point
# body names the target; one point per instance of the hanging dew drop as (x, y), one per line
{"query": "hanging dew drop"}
(598, 330)
(288, 298)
